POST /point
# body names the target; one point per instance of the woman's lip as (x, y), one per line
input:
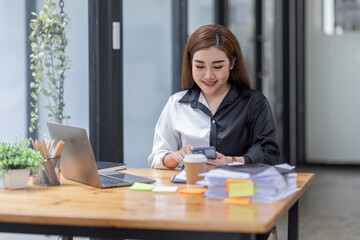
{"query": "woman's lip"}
(209, 84)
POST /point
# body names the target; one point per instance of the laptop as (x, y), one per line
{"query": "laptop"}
(78, 163)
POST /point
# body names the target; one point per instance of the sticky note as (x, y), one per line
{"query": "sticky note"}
(165, 189)
(237, 201)
(230, 181)
(192, 191)
(242, 189)
(142, 186)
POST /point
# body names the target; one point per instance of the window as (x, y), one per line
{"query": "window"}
(12, 70)
(147, 74)
(76, 86)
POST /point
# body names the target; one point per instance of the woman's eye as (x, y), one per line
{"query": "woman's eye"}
(218, 67)
(200, 67)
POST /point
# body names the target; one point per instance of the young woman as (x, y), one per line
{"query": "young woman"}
(216, 107)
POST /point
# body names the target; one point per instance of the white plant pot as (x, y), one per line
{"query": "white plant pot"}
(16, 179)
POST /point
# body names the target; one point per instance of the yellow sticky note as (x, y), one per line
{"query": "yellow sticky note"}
(192, 191)
(242, 189)
(230, 181)
(142, 187)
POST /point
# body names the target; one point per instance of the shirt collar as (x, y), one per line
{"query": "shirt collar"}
(192, 95)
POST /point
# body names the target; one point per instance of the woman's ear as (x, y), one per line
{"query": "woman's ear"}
(232, 63)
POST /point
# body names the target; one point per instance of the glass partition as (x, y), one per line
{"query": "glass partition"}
(76, 86)
(242, 21)
(12, 70)
(200, 12)
(242, 24)
(147, 74)
(331, 92)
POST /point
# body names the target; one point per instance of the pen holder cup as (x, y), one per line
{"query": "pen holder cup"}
(50, 175)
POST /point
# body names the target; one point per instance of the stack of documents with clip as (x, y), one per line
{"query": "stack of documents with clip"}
(272, 183)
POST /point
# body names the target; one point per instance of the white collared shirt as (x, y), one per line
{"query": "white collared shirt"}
(179, 124)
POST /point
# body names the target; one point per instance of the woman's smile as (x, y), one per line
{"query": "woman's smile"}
(209, 83)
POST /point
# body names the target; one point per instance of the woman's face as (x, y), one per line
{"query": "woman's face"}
(211, 69)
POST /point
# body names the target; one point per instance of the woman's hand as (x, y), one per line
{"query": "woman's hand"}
(221, 160)
(172, 160)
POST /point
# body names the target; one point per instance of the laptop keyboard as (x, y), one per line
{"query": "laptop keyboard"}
(111, 182)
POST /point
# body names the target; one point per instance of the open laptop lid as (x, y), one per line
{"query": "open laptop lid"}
(77, 159)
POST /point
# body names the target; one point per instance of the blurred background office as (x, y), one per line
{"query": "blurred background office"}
(126, 61)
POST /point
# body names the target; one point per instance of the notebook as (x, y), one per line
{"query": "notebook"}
(78, 163)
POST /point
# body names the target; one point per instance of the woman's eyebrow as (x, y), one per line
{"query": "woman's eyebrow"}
(217, 61)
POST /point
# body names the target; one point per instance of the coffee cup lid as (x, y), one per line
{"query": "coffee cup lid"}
(194, 158)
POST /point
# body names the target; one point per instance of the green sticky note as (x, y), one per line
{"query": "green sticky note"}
(142, 186)
(242, 189)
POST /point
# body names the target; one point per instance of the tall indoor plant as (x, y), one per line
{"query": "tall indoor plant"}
(48, 62)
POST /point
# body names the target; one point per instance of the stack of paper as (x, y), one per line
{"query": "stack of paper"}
(216, 182)
(268, 183)
(274, 186)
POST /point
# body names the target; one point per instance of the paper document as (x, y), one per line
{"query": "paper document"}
(165, 189)
(286, 166)
(235, 163)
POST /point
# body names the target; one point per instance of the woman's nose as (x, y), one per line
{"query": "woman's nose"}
(209, 74)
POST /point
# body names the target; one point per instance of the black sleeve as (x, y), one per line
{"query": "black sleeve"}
(264, 146)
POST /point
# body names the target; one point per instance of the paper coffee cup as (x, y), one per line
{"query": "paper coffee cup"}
(194, 164)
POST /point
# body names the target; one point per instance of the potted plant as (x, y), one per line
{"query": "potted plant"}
(48, 62)
(16, 161)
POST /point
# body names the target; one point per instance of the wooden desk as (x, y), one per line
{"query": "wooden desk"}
(81, 210)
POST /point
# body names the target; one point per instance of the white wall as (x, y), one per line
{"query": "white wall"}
(332, 92)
